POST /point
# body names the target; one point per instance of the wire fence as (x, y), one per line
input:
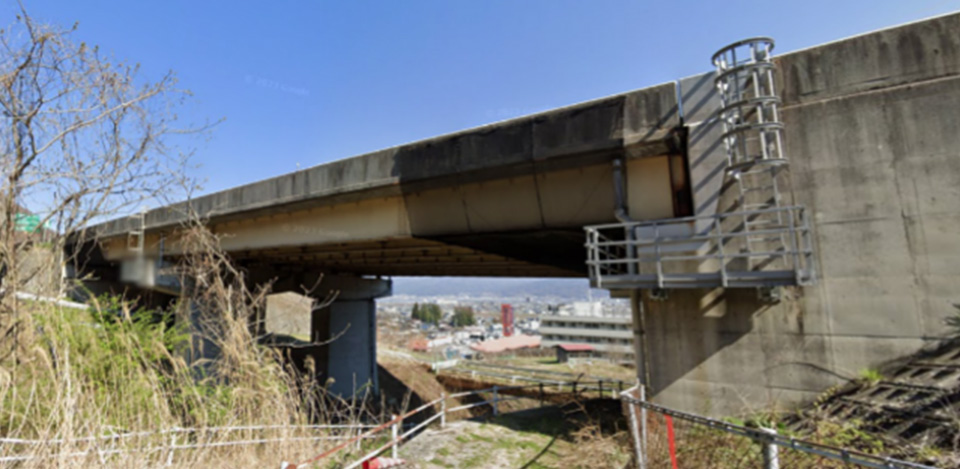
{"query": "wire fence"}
(663, 437)
(170, 441)
(492, 397)
(666, 438)
(165, 444)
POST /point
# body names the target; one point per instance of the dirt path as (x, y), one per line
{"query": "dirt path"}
(534, 439)
(470, 443)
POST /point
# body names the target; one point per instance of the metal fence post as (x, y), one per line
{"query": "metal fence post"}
(443, 410)
(496, 410)
(643, 425)
(394, 432)
(635, 433)
(771, 460)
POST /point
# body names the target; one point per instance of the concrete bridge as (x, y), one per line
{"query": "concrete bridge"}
(864, 275)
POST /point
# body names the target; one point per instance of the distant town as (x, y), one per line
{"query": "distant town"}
(536, 315)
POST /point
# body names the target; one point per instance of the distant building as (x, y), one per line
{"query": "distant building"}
(506, 344)
(583, 308)
(609, 335)
(506, 318)
(424, 345)
(571, 353)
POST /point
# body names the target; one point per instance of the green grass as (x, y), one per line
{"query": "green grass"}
(871, 376)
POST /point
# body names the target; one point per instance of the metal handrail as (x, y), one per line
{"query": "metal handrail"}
(642, 244)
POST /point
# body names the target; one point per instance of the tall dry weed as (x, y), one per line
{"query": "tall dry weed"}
(114, 385)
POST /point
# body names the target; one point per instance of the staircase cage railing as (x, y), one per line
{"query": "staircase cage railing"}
(749, 109)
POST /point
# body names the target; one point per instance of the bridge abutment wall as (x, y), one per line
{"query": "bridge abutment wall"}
(873, 139)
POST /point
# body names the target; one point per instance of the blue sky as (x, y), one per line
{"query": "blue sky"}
(305, 83)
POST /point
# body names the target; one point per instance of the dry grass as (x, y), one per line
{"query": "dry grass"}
(116, 370)
(591, 448)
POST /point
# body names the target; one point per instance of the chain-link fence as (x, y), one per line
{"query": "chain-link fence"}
(666, 438)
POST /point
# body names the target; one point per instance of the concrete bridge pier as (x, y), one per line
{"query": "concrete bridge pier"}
(343, 333)
(347, 332)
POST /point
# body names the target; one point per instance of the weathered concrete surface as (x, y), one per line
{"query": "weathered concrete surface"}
(873, 137)
(507, 199)
(575, 136)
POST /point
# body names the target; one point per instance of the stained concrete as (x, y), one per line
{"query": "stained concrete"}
(873, 138)
(641, 121)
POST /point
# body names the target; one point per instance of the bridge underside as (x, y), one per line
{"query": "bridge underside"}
(556, 253)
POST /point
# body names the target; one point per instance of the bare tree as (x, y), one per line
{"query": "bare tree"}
(82, 138)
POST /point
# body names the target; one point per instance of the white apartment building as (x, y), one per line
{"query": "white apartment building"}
(608, 334)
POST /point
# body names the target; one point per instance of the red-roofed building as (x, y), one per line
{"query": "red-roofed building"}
(566, 352)
(419, 345)
(504, 344)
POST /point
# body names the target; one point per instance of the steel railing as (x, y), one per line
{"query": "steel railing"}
(704, 251)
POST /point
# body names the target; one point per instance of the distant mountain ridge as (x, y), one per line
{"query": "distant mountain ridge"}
(479, 287)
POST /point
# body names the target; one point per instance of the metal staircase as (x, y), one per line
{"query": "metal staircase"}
(761, 241)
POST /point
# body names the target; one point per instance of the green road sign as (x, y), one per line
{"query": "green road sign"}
(27, 222)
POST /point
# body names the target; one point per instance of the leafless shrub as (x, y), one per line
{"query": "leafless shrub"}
(82, 137)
